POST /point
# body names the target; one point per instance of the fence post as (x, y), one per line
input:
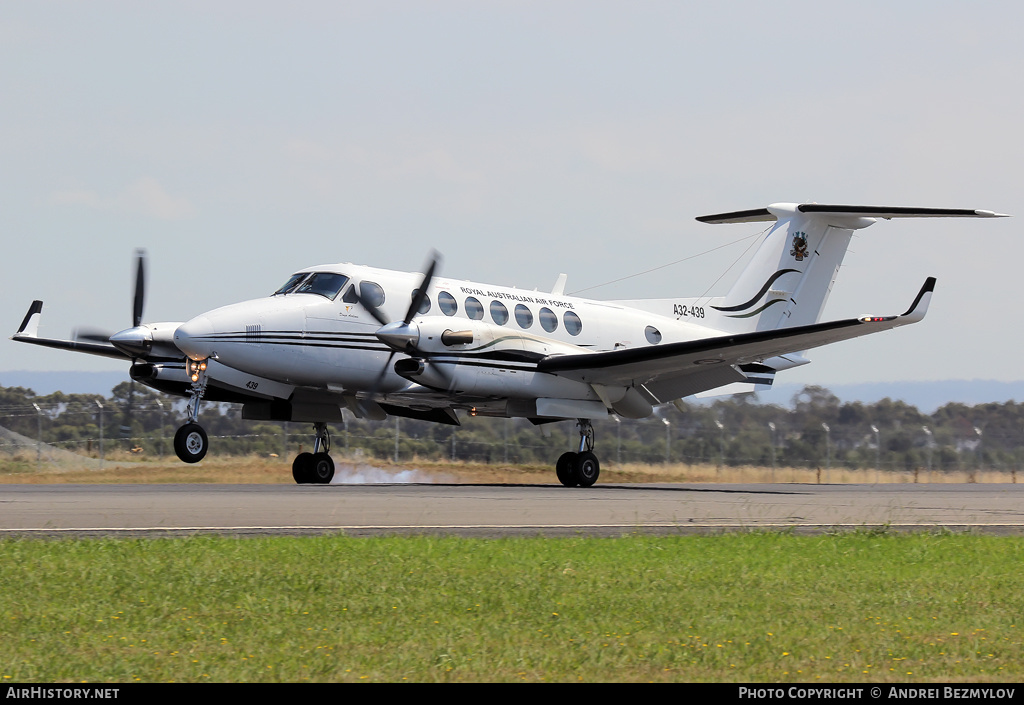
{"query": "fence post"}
(101, 432)
(39, 435)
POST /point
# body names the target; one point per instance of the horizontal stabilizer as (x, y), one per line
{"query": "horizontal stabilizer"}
(759, 215)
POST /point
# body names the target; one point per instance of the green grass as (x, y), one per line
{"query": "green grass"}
(743, 607)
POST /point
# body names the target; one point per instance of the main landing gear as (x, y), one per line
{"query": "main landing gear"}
(580, 469)
(317, 467)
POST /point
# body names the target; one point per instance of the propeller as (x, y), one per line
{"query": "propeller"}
(138, 303)
(132, 342)
(419, 296)
(135, 342)
(401, 336)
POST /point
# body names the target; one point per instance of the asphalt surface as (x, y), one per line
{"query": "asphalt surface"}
(502, 510)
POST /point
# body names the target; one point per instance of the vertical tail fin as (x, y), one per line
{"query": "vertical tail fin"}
(793, 270)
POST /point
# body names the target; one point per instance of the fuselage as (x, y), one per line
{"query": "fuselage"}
(317, 331)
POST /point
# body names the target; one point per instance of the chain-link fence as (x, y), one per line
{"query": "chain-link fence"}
(887, 437)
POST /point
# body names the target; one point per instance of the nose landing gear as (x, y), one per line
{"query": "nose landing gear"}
(190, 441)
(580, 469)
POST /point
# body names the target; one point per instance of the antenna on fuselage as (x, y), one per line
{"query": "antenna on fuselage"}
(559, 288)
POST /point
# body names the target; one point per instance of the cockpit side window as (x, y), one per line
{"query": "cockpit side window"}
(292, 282)
(371, 294)
(326, 284)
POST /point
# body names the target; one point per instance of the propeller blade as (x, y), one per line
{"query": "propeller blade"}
(377, 383)
(91, 335)
(421, 292)
(140, 287)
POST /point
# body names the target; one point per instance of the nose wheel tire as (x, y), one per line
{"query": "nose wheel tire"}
(191, 443)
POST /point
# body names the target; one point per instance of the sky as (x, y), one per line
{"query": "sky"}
(239, 141)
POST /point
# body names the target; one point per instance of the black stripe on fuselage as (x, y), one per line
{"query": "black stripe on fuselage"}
(496, 359)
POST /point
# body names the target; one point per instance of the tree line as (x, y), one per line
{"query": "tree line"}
(817, 430)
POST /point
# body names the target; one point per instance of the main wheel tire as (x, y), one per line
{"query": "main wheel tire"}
(564, 469)
(191, 443)
(587, 469)
(302, 468)
(322, 469)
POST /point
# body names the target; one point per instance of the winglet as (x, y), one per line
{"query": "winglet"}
(30, 324)
(919, 308)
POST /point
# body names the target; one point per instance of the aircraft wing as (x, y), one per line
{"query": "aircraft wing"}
(697, 365)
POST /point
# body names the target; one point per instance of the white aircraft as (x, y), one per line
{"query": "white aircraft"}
(381, 342)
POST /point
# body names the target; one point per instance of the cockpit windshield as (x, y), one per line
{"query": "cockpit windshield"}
(292, 282)
(326, 284)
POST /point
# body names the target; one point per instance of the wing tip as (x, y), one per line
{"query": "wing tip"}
(755, 215)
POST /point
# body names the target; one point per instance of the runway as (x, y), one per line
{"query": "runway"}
(501, 510)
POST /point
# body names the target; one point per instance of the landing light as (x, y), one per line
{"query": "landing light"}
(195, 368)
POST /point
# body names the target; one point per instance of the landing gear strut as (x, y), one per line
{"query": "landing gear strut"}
(580, 469)
(317, 467)
(190, 441)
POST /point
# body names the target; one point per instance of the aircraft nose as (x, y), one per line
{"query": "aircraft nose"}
(195, 338)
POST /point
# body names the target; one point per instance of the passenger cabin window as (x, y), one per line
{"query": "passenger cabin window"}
(548, 320)
(499, 314)
(572, 322)
(474, 309)
(446, 301)
(524, 316)
(653, 335)
(326, 284)
(425, 306)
